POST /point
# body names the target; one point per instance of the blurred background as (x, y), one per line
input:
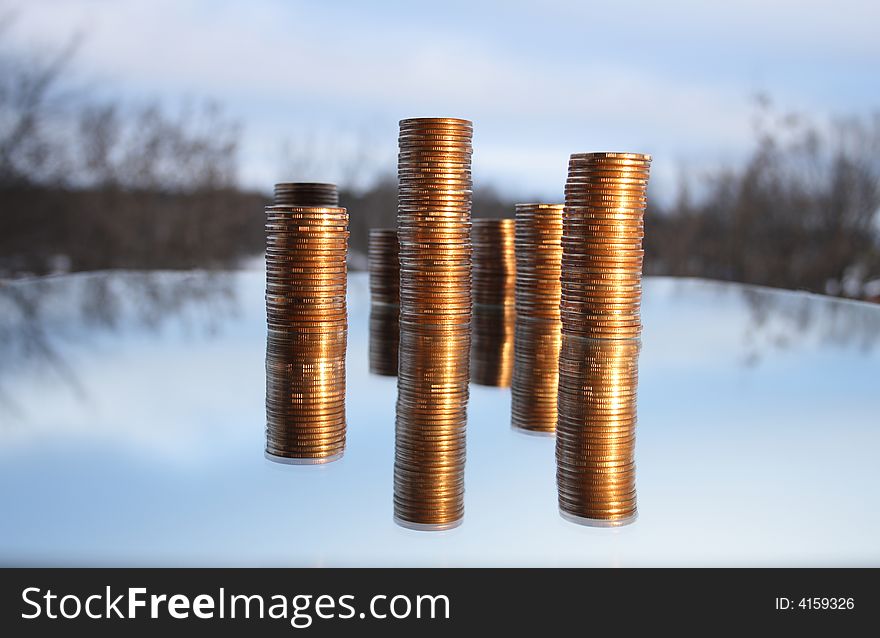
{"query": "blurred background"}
(148, 134)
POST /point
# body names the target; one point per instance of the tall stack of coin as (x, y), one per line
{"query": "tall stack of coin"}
(433, 223)
(385, 301)
(605, 200)
(493, 280)
(306, 194)
(538, 337)
(306, 248)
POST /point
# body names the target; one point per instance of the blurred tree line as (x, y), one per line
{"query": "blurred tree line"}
(86, 184)
(803, 211)
(90, 185)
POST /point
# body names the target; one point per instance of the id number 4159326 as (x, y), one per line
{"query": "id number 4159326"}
(816, 603)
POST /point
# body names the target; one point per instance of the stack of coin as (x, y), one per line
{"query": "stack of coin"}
(306, 249)
(538, 337)
(603, 224)
(605, 200)
(384, 263)
(493, 280)
(385, 301)
(494, 274)
(434, 219)
(306, 194)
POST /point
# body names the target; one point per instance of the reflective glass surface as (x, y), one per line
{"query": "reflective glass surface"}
(132, 432)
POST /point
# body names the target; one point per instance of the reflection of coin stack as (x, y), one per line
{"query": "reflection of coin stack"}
(538, 337)
(385, 301)
(434, 211)
(306, 194)
(305, 351)
(493, 278)
(605, 199)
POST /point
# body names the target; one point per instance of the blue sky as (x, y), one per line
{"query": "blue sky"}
(540, 79)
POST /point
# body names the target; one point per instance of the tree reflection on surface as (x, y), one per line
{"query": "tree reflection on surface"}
(40, 318)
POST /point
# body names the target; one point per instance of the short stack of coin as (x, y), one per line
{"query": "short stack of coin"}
(384, 266)
(434, 220)
(306, 194)
(306, 249)
(605, 200)
(538, 337)
(493, 280)
(384, 263)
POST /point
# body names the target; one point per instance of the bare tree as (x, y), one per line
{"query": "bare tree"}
(30, 95)
(802, 212)
(86, 185)
(147, 149)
